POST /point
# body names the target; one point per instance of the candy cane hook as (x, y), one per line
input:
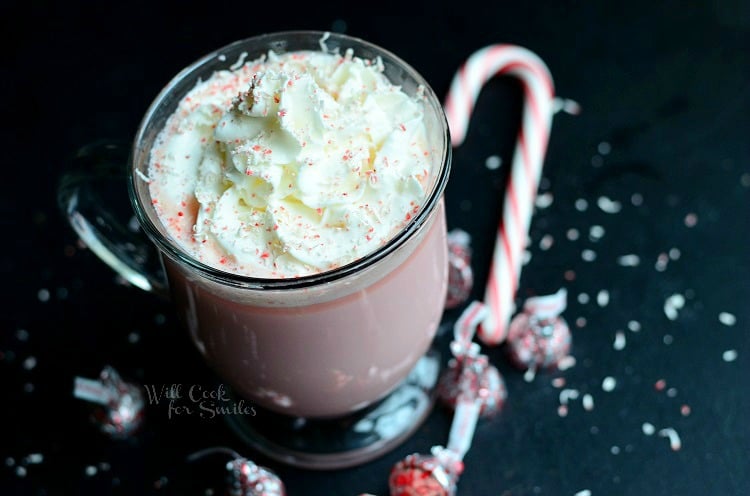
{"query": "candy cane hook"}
(526, 167)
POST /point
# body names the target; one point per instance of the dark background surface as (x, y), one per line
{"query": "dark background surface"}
(665, 97)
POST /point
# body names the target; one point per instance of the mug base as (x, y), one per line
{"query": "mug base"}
(347, 441)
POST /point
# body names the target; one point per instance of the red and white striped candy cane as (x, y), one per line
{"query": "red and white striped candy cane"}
(526, 168)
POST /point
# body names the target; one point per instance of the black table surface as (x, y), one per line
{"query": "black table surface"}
(655, 168)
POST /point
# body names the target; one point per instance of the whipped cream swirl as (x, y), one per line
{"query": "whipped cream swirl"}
(291, 165)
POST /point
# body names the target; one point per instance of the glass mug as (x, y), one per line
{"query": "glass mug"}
(337, 363)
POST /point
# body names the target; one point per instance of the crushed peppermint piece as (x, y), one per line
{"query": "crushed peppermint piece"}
(29, 363)
(661, 262)
(544, 200)
(583, 298)
(691, 220)
(604, 148)
(609, 383)
(584, 492)
(572, 234)
(546, 242)
(568, 394)
(607, 205)
(588, 402)
(588, 255)
(581, 205)
(566, 363)
(43, 295)
(596, 233)
(629, 260)
(648, 429)
(672, 305)
(729, 355)
(619, 342)
(634, 326)
(674, 439)
(493, 162)
(602, 298)
(636, 199)
(727, 319)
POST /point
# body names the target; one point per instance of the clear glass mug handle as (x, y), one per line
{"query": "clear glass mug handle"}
(92, 195)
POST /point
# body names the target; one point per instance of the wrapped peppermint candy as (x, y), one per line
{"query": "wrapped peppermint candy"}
(469, 372)
(245, 477)
(426, 475)
(539, 337)
(460, 274)
(473, 388)
(249, 479)
(121, 404)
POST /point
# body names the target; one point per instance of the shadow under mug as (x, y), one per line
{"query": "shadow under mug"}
(338, 363)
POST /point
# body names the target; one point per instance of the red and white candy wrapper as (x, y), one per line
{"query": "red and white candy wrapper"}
(460, 274)
(469, 375)
(473, 388)
(526, 167)
(426, 475)
(121, 404)
(437, 474)
(245, 477)
(249, 479)
(539, 337)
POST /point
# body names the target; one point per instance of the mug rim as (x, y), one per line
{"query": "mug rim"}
(180, 255)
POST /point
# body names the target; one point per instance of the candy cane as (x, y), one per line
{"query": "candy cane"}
(526, 168)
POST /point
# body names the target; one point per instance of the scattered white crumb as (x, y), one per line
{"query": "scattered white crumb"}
(546, 242)
(609, 383)
(674, 439)
(727, 319)
(583, 298)
(544, 200)
(604, 148)
(572, 234)
(493, 162)
(620, 341)
(648, 429)
(588, 255)
(43, 295)
(29, 363)
(672, 305)
(634, 326)
(566, 362)
(602, 298)
(691, 220)
(729, 355)
(629, 260)
(661, 262)
(568, 394)
(607, 205)
(588, 402)
(581, 205)
(584, 492)
(596, 233)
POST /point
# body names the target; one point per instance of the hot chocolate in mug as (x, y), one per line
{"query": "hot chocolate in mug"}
(338, 353)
